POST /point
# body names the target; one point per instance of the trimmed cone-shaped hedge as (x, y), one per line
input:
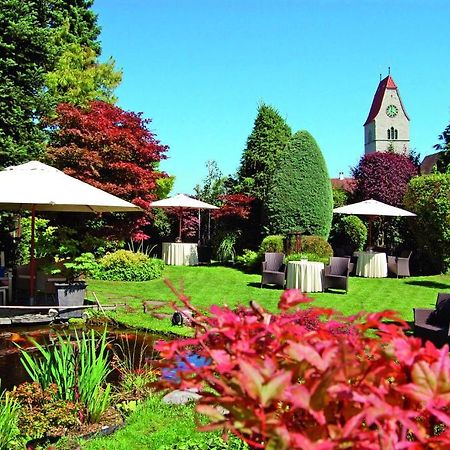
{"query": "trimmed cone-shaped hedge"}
(301, 196)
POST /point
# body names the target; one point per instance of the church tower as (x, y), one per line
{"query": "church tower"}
(387, 125)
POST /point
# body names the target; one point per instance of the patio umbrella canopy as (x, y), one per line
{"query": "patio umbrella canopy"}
(372, 208)
(181, 202)
(44, 188)
(34, 186)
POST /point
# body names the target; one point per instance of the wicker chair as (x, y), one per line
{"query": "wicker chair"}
(336, 273)
(438, 334)
(400, 265)
(273, 269)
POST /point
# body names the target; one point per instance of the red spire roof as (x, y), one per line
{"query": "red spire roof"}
(387, 83)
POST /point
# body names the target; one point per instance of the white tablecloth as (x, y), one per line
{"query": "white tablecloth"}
(305, 275)
(180, 254)
(371, 264)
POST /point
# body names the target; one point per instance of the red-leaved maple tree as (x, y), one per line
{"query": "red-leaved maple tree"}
(108, 148)
(313, 379)
(234, 206)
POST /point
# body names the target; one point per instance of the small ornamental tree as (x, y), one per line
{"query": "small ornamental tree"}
(312, 379)
(429, 197)
(108, 148)
(235, 219)
(301, 197)
(383, 177)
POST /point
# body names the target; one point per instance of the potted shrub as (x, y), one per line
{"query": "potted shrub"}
(73, 291)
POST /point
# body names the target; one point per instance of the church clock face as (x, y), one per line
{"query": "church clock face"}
(391, 111)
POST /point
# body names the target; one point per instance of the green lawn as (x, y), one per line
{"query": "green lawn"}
(225, 285)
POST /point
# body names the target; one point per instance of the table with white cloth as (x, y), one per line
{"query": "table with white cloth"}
(371, 264)
(305, 275)
(180, 253)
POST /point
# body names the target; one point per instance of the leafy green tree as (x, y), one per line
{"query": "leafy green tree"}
(213, 185)
(428, 197)
(49, 53)
(443, 163)
(26, 54)
(301, 196)
(79, 78)
(261, 157)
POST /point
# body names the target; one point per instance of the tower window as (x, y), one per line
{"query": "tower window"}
(392, 133)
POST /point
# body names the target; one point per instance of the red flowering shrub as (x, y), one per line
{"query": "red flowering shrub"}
(314, 379)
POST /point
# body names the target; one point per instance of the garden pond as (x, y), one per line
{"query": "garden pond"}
(133, 344)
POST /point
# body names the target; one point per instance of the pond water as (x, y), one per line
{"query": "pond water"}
(135, 344)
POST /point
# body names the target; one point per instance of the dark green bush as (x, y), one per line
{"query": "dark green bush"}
(428, 197)
(300, 197)
(316, 245)
(273, 243)
(249, 261)
(352, 231)
(125, 265)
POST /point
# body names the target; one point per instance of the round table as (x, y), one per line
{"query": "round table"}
(180, 253)
(305, 275)
(371, 264)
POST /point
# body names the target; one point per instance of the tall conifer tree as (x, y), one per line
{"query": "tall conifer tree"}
(25, 55)
(260, 158)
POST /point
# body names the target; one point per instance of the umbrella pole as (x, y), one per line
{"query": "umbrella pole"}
(209, 227)
(370, 231)
(181, 219)
(32, 256)
(199, 238)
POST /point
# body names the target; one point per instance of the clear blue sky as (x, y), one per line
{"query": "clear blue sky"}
(199, 68)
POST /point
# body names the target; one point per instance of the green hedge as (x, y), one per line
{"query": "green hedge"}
(316, 245)
(301, 197)
(273, 243)
(125, 265)
(308, 256)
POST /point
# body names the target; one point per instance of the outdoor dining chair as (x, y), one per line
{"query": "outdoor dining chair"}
(273, 269)
(336, 273)
(399, 264)
(434, 324)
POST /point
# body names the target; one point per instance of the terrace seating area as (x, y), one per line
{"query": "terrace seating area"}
(434, 324)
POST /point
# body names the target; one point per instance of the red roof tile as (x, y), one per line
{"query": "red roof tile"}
(386, 83)
(347, 184)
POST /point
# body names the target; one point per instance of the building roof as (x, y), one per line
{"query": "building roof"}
(386, 83)
(347, 184)
(429, 162)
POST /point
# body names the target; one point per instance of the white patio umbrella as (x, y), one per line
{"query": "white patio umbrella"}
(34, 186)
(372, 208)
(181, 202)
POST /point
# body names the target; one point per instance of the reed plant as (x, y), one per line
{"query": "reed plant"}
(136, 375)
(78, 368)
(9, 418)
(52, 364)
(91, 368)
